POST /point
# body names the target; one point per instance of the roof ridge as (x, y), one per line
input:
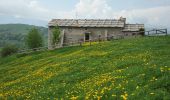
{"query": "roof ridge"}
(90, 23)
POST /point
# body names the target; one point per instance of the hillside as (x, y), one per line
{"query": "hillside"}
(15, 33)
(131, 69)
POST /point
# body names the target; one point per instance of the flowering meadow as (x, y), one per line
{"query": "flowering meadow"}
(128, 69)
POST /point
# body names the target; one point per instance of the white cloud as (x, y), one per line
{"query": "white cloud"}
(32, 9)
(152, 17)
(24, 9)
(92, 8)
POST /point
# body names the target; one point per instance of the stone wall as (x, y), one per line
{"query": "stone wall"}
(75, 34)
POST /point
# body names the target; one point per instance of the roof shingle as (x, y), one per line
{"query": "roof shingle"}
(87, 23)
(133, 27)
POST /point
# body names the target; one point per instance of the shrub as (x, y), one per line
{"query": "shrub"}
(34, 39)
(56, 35)
(8, 50)
(142, 31)
(21, 55)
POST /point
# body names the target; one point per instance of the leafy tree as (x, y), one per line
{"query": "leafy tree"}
(56, 35)
(34, 39)
(142, 31)
(8, 50)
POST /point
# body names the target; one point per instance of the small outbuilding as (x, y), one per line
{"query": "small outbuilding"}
(90, 29)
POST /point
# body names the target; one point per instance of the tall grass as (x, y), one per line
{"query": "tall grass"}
(132, 69)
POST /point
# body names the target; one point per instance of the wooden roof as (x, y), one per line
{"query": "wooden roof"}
(133, 27)
(87, 23)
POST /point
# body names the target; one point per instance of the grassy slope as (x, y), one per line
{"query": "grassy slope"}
(132, 68)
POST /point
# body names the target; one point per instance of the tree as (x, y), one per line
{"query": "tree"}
(34, 39)
(142, 31)
(8, 50)
(56, 35)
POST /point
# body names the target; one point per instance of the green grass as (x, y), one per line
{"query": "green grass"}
(135, 69)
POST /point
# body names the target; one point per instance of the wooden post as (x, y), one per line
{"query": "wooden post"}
(135, 35)
(50, 44)
(62, 38)
(80, 43)
(106, 35)
(166, 31)
(90, 42)
(72, 43)
(100, 39)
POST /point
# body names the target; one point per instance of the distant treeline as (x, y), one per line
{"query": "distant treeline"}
(15, 34)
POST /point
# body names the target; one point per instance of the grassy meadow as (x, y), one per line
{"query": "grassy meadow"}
(133, 69)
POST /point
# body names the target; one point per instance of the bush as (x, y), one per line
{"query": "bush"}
(142, 31)
(8, 50)
(21, 55)
(56, 35)
(34, 39)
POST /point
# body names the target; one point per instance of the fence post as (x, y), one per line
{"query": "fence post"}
(80, 43)
(99, 39)
(90, 42)
(71, 43)
(166, 31)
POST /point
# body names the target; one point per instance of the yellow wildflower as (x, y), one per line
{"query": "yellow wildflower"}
(98, 97)
(152, 93)
(74, 98)
(137, 87)
(113, 95)
(124, 96)
(132, 94)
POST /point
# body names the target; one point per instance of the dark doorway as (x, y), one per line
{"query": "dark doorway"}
(87, 36)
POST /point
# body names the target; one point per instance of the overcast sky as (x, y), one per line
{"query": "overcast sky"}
(153, 13)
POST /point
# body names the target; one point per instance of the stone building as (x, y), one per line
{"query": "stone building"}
(90, 29)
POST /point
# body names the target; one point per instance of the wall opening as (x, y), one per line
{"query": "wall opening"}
(87, 36)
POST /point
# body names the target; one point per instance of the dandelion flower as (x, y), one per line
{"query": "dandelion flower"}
(152, 93)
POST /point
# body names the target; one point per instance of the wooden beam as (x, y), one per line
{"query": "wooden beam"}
(162, 31)
(166, 31)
